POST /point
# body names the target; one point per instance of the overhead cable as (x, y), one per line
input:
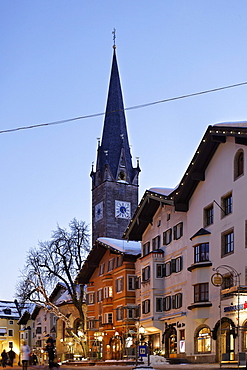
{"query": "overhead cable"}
(126, 109)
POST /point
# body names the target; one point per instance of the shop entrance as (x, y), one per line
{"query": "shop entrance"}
(170, 341)
(225, 334)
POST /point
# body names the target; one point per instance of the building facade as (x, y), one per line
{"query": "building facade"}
(9, 329)
(109, 273)
(194, 249)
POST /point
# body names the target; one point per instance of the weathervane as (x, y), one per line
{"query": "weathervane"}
(114, 38)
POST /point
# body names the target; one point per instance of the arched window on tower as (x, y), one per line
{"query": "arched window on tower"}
(238, 164)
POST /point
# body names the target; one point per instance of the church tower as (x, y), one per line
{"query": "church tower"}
(114, 181)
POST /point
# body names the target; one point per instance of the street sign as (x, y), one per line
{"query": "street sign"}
(143, 351)
(217, 279)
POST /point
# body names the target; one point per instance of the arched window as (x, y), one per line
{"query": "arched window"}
(203, 340)
(238, 164)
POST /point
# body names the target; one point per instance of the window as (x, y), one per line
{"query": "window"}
(228, 281)
(177, 300)
(111, 264)
(227, 240)
(119, 261)
(92, 324)
(38, 330)
(119, 284)
(90, 298)
(209, 215)
(146, 248)
(10, 332)
(119, 313)
(238, 164)
(167, 303)
(201, 292)
(159, 270)
(159, 304)
(226, 204)
(146, 274)
(11, 344)
(108, 318)
(100, 321)
(168, 268)
(138, 282)
(107, 291)
(179, 264)
(99, 295)
(178, 231)
(201, 252)
(11, 322)
(156, 243)
(203, 340)
(102, 269)
(167, 237)
(131, 282)
(146, 306)
(131, 313)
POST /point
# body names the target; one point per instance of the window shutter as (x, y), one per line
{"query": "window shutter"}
(173, 265)
(143, 274)
(122, 284)
(158, 242)
(174, 301)
(148, 305)
(180, 300)
(87, 299)
(175, 232)
(148, 272)
(143, 307)
(181, 263)
(164, 270)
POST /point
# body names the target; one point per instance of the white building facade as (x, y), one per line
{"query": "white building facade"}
(192, 273)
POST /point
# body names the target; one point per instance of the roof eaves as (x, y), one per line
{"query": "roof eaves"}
(160, 198)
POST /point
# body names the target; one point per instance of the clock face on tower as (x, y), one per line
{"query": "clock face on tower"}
(122, 209)
(98, 211)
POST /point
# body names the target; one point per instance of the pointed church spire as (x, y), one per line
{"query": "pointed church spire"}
(114, 182)
(115, 137)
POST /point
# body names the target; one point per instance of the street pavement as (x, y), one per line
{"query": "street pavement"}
(131, 367)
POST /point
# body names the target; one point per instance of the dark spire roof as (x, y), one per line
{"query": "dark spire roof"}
(115, 143)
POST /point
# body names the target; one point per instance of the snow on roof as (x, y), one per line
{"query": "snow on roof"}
(9, 309)
(232, 124)
(163, 191)
(125, 246)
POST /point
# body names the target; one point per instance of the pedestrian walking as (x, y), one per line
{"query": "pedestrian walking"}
(51, 355)
(11, 355)
(4, 358)
(25, 352)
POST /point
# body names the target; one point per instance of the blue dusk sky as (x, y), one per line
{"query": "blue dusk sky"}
(55, 64)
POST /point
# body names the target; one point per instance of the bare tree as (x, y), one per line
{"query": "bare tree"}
(56, 261)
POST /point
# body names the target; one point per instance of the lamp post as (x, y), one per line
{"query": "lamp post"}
(139, 340)
(236, 282)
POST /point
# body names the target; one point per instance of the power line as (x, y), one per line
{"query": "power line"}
(126, 109)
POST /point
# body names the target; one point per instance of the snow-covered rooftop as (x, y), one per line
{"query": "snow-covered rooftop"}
(163, 191)
(125, 246)
(9, 309)
(232, 124)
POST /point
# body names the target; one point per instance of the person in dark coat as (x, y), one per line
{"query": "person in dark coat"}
(4, 358)
(50, 350)
(11, 355)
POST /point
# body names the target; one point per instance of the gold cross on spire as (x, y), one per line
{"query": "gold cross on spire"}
(114, 38)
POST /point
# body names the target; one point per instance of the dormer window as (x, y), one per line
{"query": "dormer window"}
(7, 311)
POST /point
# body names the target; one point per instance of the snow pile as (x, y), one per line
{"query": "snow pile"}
(155, 360)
